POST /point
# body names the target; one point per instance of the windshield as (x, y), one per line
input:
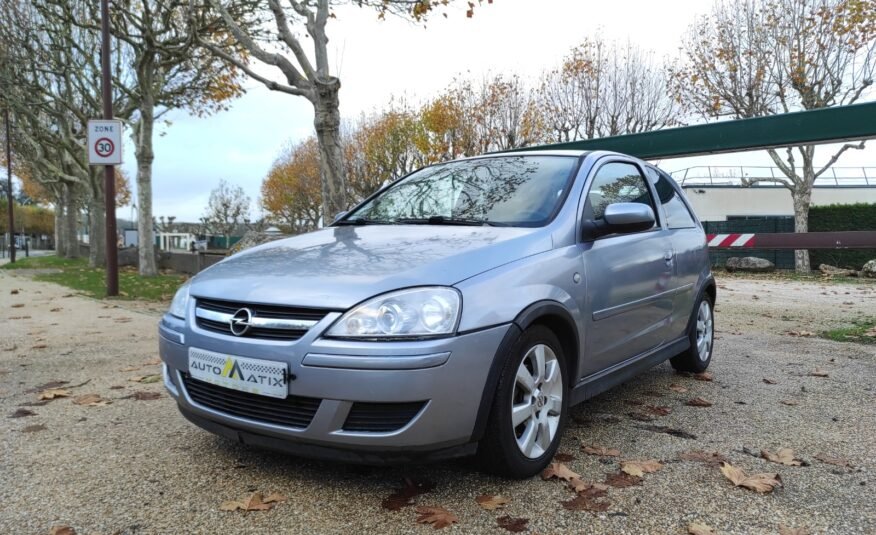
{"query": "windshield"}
(502, 190)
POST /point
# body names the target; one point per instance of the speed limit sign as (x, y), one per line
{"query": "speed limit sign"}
(104, 142)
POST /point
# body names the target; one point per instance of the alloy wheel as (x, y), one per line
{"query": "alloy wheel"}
(537, 401)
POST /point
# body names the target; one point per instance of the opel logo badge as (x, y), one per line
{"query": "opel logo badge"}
(240, 322)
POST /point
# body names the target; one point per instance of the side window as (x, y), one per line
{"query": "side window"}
(616, 182)
(677, 213)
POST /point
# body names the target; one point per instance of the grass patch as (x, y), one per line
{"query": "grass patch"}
(862, 331)
(76, 274)
(44, 262)
(791, 275)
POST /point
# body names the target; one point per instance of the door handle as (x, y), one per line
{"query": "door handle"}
(668, 256)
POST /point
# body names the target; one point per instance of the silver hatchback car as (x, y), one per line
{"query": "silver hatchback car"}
(462, 309)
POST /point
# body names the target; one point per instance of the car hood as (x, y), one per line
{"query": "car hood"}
(338, 267)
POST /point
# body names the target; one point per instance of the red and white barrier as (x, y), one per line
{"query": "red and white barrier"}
(731, 240)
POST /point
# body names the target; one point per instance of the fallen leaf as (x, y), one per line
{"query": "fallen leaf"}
(698, 402)
(622, 480)
(21, 413)
(559, 471)
(47, 386)
(17, 305)
(704, 376)
(253, 502)
(56, 309)
(709, 457)
(144, 396)
(677, 388)
(640, 468)
(405, 495)
(695, 528)
(668, 430)
(13, 292)
(62, 530)
(785, 530)
(601, 451)
(491, 503)
(659, 411)
(789, 402)
(152, 362)
(439, 517)
(586, 503)
(33, 428)
(640, 416)
(818, 373)
(39, 346)
(130, 368)
(564, 457)
(783, 456)
(769, 381)
(804, 334)
(836, 461)
(145, 379)
(514, 525)
(593, 490)
(761, 483)
(91, 400)
(54, 393)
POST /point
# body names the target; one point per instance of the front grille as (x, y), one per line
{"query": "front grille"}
(294, 411)
(214, 315)
(381, 417)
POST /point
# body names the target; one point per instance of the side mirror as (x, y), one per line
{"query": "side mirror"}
(339, 215)
(621, 218)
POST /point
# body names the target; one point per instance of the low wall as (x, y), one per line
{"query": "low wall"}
(187, 262)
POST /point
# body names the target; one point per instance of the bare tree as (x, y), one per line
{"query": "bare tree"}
(306, 75)
(227, 209)
(605, 89)
(160, 68)
(753, 58)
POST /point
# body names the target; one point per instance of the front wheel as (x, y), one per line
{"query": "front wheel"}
(529, 409)
(702, 336)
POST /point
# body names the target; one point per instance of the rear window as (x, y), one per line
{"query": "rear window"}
(677, 213)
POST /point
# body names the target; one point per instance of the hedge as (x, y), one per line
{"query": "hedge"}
(838, 217)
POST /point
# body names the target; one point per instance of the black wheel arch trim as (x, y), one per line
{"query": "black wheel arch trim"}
(527, 317)
(707, 284)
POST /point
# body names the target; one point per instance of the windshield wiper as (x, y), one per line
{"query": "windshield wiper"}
(359, 221)
(442, 220)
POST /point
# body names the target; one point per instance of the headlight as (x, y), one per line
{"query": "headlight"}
(180, 302)
(427, 311)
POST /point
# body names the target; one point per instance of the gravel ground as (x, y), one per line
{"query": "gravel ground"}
(136, 466)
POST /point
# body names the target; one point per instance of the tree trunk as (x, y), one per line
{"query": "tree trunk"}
(97, 232)
(145, 155)
(60, 231)
(802, 195)
(71, 225)
(327, 121)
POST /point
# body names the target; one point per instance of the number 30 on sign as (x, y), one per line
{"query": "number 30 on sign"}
(104, 142)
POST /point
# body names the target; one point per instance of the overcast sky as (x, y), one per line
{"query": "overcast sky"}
(380, 59)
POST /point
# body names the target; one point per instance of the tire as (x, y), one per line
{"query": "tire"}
(697, 357)
(525, 450)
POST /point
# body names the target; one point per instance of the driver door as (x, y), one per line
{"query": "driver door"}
(629, 295)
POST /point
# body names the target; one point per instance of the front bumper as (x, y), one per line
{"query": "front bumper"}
(448, 374)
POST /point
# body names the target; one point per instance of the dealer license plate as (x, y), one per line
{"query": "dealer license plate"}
(256, 376)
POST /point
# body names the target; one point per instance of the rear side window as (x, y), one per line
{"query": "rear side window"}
(616, 182)
(677, 213)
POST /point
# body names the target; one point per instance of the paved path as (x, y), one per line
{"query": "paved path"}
(138, 467)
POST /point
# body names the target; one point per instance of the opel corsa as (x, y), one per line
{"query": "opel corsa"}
(460, 310)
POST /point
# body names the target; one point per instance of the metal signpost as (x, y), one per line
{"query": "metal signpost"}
(9, 188)
(105, 148)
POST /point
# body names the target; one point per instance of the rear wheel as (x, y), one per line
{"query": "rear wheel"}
(529, 410)
(702, 336)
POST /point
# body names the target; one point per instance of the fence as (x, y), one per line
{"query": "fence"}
(783, 259)
(733, 175)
